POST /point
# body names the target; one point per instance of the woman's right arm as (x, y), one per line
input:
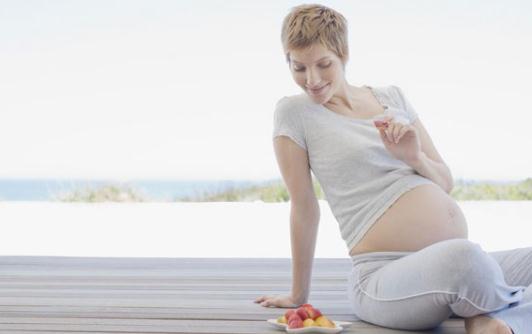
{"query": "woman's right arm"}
(304, 219)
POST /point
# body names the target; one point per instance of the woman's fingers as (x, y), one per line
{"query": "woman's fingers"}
(383, 123)
(383, 136)
(268, 301)
(276, 301)
(404, 130)
(264, 300)
(393, 131)
(389, 132)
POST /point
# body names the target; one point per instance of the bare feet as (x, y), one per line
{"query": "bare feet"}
(482, 324)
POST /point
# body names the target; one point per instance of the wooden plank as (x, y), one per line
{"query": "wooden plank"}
(142, 264)
(321, 297)
(221, 265)
(131, 302)
(254, 312)
(117, 262)
(117, 291)
(224, 286)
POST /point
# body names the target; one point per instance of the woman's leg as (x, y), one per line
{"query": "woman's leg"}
(419, 290)
(516, 265)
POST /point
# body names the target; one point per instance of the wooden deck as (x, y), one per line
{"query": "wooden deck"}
(41, 294)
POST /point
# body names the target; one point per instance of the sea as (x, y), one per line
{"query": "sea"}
(42, 189)
(153, 190)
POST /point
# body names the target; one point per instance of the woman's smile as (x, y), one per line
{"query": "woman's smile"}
(318, 91)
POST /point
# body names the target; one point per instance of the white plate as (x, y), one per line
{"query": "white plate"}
(313, 329)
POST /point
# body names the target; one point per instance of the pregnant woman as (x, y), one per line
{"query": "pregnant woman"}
(388, 188)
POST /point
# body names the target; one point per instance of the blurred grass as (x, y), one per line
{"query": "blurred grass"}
(472, 191)
(106, 193)
(275, 191)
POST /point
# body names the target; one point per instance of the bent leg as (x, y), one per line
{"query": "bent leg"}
(419, 290)
(516, 265)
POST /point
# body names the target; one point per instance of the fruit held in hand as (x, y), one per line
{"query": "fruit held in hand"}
(381, 124)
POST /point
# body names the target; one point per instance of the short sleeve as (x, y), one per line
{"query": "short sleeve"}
(287, 122)
(405, 104)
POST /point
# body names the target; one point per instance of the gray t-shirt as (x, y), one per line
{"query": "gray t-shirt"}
(359, 177)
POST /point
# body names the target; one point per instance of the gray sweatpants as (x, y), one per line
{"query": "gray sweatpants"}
(452, 278)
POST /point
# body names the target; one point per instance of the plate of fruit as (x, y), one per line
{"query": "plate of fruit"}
(307, 319)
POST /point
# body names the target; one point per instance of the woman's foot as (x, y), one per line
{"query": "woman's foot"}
(482, 324)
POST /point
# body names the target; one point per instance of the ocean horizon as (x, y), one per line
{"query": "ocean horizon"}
(43, 189)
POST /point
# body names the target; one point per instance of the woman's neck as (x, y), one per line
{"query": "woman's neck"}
(346, 97)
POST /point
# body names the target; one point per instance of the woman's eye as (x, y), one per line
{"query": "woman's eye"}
(301, 69)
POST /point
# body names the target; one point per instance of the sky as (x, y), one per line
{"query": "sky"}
(187, 89)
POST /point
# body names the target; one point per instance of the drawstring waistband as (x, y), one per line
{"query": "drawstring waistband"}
(377, 256)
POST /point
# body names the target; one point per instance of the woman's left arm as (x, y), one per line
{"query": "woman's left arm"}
(429, 162)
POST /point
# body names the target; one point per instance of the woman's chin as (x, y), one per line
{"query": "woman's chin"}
(318, 99)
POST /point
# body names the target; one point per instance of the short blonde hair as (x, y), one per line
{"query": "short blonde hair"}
(308, 24)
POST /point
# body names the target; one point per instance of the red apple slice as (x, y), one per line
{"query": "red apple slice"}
(381, 124)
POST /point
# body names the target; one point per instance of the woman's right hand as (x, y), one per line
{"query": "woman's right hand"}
(276, 301)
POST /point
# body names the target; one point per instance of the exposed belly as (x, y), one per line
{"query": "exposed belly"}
(420, 217)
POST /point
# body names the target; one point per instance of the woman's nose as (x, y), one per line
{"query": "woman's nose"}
(313, 78)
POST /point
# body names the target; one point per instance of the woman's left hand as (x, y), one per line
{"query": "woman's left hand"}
(401, 140)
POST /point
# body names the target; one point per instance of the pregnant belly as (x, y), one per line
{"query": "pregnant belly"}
(420, 217)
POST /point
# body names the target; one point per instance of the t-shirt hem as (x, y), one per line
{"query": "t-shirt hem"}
(413, 181)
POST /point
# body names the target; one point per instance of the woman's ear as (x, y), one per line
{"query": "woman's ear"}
(344, 60)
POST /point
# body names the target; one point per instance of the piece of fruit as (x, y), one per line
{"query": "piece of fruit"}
(307, 305)
(288, 313)
(313, 313)
(308, 323)
(381, 124)
(294, 315)
(302, 312)
(323, 321)
(295, 322)
(282, 319)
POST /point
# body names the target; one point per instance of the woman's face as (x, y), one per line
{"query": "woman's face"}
(318, 71)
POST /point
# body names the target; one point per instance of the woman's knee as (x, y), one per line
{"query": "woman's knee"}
(467, 262)
(461, 253)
